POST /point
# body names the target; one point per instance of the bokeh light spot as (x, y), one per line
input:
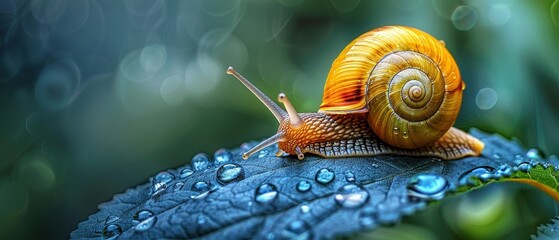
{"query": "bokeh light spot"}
(499, 14)
(486, 98)
(173, 90)
(37, 175)
(132, 70)
(58, 84)
(201, 77)
(153, 57)
(464, 18)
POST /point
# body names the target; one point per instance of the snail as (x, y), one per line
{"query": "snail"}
(393, 90)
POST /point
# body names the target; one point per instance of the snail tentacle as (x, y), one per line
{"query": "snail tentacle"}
(271, 105)
(271, 140)
(294, 118)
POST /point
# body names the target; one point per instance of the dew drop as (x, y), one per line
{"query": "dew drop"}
(146, 224)
(230, 172)
(535, 153)
(427, 186)
(245, 147)
(163, 178)
(297, 229)
(178, 186)
(395, 131)
(305, 209)
(374, 165)
(112, 231)
(266, 193)
(524, 167)
(222, 156)
(262, 153)
(405, 135)
(496, 156)
(201, 220)
(483, 173)
(201, 187)
(185, 172)
(504, 170)
(324, 176)
(111, 219)
(200, 162)
(141, 215)
(351, 196)
(349, 176)
(303, 186)
(158, 189)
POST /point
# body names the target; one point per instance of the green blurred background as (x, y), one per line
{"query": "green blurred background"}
(97, 96)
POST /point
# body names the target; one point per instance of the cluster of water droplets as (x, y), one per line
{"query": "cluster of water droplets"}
(142, 220)
(521, 163)
(226, 172)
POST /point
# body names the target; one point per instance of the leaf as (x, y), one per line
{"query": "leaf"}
(548, 231)
(270, 197)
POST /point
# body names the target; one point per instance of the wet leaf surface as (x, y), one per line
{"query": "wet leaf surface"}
(278, 198)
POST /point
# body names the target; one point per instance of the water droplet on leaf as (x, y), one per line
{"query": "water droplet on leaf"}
(163, 178)
(185, 172)
(141, 215)
(324, 176)
(504, 170)
(483, 173)
(427, 186)
(111, 219)
(535, 153)
(524, 167)
(222, 156)
(303, 186)
(178, 186)
(266, 193)
(200, 162)
(305, 209)
(230, 172)
(262, 153)
(351, 195)
(146, 224)
(201, 187)
(349, 176)
(112, 231)
(297, 229)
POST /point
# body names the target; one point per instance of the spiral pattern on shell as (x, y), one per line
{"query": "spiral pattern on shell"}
(406, 81)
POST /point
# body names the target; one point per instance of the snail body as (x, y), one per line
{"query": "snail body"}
(393, 90)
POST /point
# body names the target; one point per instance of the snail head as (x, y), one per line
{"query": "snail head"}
(290, 122)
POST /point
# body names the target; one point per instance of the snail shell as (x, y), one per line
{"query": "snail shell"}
(405, 80)
(393, 90)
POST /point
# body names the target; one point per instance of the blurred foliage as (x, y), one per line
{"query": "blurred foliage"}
(99, 95)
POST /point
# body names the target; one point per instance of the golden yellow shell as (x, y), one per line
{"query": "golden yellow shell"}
(404, 78)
